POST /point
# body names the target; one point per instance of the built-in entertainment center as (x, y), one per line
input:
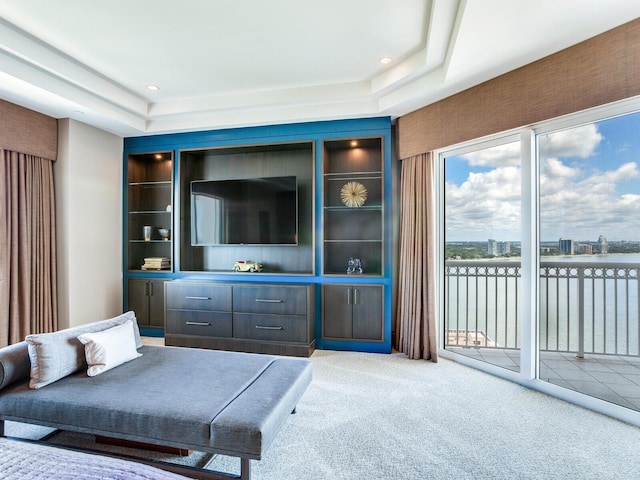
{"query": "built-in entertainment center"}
(306, 207)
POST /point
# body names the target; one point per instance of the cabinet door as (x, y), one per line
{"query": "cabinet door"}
(336, 311)
(138, 299)
(156, 303)
(367, 312)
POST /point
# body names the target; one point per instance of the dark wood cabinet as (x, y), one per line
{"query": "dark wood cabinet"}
(266, 318)
(145, 296)
(353, 312)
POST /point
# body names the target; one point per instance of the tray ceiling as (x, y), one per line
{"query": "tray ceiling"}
(256, 62)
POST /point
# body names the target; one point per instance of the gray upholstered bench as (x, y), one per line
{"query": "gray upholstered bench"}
(206, 400)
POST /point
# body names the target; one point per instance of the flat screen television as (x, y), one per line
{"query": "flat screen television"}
(247, 211)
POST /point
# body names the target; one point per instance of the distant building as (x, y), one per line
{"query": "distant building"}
(498, 249)
(565, 246)
(585, 249)
(603, 244)
(504, 248)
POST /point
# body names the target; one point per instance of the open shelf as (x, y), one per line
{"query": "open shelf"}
(149, 203)
(353, 231)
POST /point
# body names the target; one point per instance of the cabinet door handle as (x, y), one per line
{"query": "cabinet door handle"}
(268, 300)
(150, 289)
(202, 324)
(198, 298)
(348, 296)
(266, 327)
(355, 296)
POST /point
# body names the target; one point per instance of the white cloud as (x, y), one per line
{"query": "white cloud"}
(485, 205)
(553, 168)
(575, 142)
(581, 207)
(580, 192)
(500, 156)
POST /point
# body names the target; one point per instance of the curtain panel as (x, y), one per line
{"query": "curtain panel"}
(416, 320)
(28, 296)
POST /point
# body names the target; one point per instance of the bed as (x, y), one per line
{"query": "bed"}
(21, 460)
(212, 401)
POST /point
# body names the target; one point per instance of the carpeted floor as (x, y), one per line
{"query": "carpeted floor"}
(370, 416)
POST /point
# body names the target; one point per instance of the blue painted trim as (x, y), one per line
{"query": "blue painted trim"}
(370, 347)
(152, 332)
(262, 134)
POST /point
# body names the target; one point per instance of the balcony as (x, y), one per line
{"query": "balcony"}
(589, 337)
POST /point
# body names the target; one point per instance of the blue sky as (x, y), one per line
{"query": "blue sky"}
(589, 186)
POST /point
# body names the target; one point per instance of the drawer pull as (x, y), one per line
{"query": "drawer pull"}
(266, 327)
(202, 324)
(198, 298)
(268, 300)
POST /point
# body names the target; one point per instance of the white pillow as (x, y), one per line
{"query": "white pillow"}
(57, 354)
(109, 348)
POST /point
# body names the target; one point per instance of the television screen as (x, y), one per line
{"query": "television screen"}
(248, 211)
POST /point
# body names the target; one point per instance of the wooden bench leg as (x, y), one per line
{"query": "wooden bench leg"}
(245, 469)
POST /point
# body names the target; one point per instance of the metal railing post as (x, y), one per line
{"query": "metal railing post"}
(580, 313)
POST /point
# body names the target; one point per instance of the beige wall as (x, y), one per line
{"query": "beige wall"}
(88, 183)
(598, 71)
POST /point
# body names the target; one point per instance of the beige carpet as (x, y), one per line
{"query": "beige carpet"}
(371, 416)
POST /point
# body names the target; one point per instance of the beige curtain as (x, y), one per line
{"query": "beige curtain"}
(27, 257)
(416, 320)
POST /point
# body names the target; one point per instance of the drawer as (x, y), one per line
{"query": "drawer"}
(291, 328)
(198, 296)
(188, 322)
(270, 300)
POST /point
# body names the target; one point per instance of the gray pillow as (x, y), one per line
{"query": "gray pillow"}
(14, 364)
(55, 355)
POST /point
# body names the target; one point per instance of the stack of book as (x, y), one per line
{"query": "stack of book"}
(156, 263)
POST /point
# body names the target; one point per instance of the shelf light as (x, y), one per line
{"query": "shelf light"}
(354, 143)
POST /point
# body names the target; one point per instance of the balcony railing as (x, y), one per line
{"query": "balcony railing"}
(586, 306)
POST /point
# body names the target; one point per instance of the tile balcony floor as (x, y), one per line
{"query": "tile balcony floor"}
(613, 378)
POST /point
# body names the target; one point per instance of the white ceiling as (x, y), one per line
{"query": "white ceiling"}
(256, 62)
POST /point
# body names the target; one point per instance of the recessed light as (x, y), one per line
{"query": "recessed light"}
(385, 60)
(153, 88)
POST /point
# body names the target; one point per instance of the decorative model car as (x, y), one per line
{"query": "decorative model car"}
(247, 266)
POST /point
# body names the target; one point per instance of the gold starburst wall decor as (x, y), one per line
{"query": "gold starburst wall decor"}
(353, 194)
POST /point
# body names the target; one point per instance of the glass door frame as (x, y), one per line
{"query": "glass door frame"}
(530, 267)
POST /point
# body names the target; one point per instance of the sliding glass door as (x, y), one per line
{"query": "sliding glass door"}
(482, 253)
(589, 231)
(541, 255)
